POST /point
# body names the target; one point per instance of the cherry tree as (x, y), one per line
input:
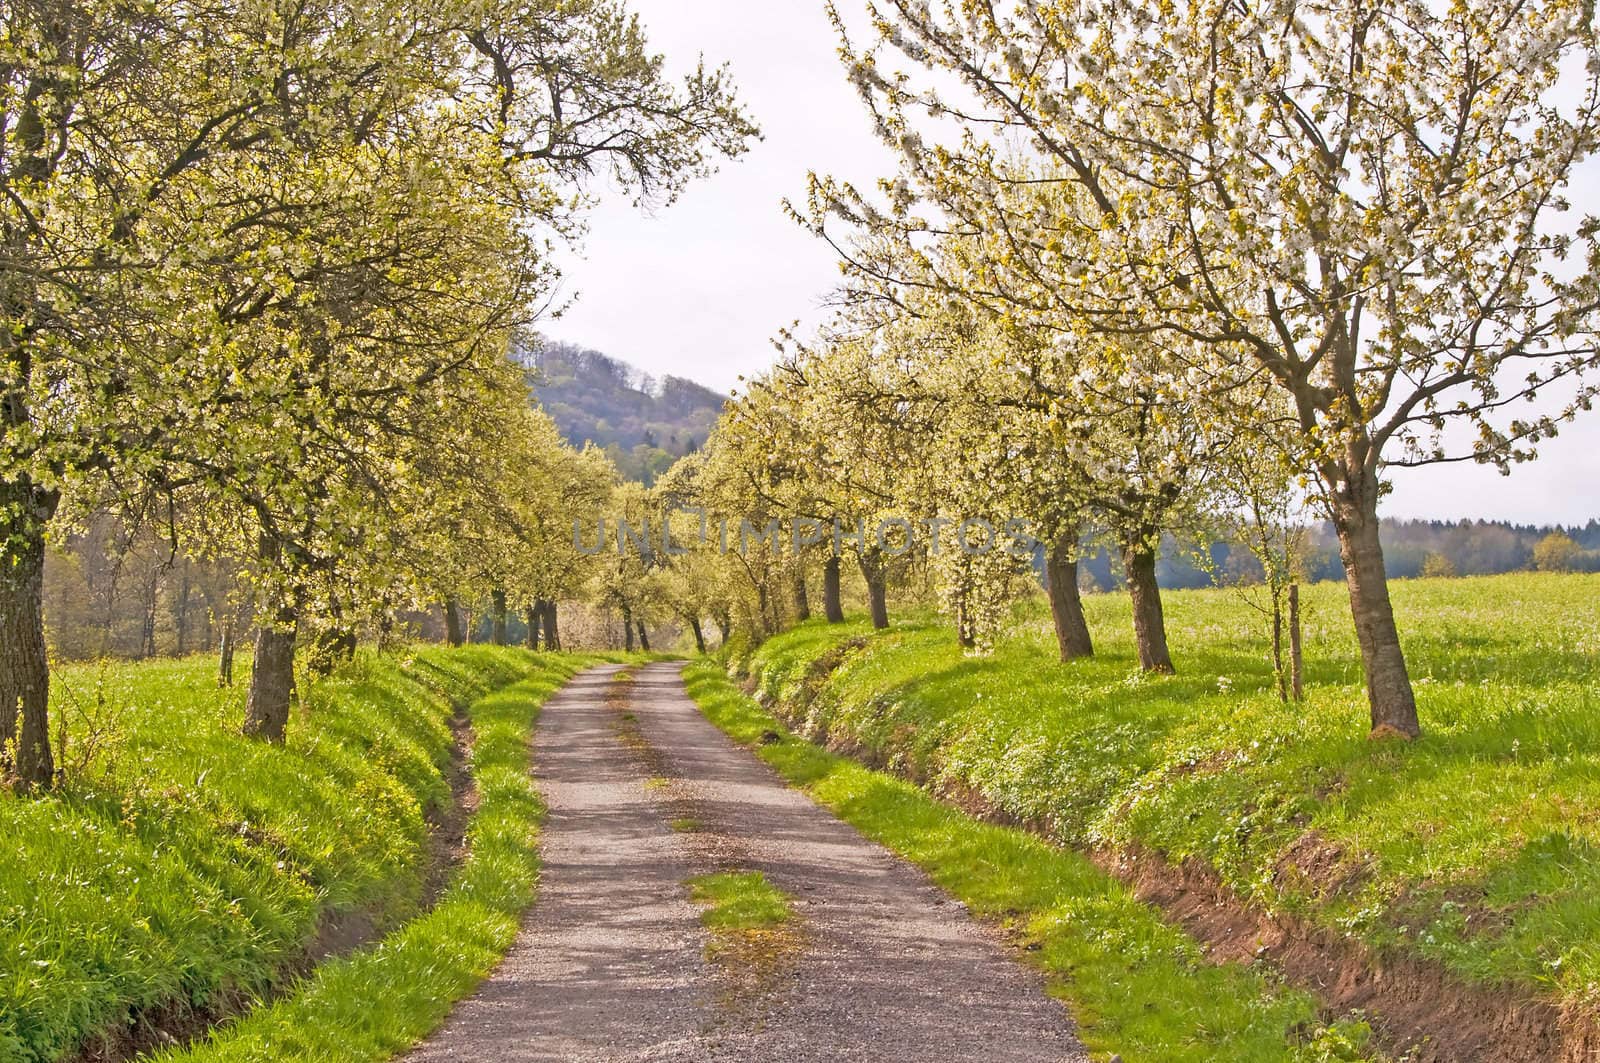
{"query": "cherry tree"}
(1360, 202)
(219, 223)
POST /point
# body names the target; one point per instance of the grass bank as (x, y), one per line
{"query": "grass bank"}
(1136, 986)
(382, 1000)
(1476, 848)
(183, 870)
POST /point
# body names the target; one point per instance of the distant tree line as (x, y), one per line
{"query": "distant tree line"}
(1412, 549)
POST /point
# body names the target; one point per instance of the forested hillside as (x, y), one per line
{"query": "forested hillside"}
(644, 424)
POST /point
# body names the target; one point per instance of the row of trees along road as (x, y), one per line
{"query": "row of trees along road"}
(1132, 250)
(264, 261)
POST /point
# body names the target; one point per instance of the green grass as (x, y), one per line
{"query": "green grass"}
(1137, 986)
(182, 865)
(739, 901)
(382, 1000)
(1477, 846)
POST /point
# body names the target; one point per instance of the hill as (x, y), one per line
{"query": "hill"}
(645, 423)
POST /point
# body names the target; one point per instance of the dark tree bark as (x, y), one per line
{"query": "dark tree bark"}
(699, 634)
(147, 626)
(1066, 604)
(764, 608)
(802, 597)
(966, 635)
(877, 588)
(1149, 623)
(832, 598)
(24, 661)
(180, 613)
(266, 713)
(225, 654)
(1297, 660)
(1389, 694)
(644, 638)
(497, 616)
(627, 629)
(724, 626)
(552, 628)
(453, 633)
(531, 618)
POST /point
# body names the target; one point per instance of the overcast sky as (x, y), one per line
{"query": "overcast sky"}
(699, 289)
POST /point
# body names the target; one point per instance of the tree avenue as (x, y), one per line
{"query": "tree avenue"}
(1359, 205)
(1146, 277)
(267, 260)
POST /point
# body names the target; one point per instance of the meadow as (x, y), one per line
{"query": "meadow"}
(1475, 847)
(181, 870)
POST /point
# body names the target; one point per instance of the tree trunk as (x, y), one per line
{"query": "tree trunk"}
(386, 625)
(1296, 647)
(147, 627)
(724, 626)
(877, 588)
(497, 616)
(24, 660)
(1149, 623)
(832, 603)
(802, 597)
(180, 613)
(225, 655)
(627, 629)
(552, 630)
(452, 623)
(965, 634)
(699, 634)
(531, 617)
(266, 713)
(1296, 653)
(644, 638)
(1066, 604)
(1389, 693)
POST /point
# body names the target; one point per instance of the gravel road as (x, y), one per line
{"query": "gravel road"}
(611, 965)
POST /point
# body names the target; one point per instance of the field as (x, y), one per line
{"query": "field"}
(1475, 847)
(183, 871)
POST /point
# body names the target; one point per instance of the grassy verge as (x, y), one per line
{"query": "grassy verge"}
(1137, 986)
(1477, 847)
(382, 1000)
(183, 868)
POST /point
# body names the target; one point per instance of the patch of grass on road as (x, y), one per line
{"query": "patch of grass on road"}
(1136, 985)
(754, 935)
(739, 901)
(380, 1001)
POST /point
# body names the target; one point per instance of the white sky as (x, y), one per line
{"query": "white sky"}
(699, 289)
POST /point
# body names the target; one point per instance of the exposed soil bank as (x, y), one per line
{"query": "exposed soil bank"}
(1417, 1009)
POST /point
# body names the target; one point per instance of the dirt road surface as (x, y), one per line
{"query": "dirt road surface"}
(611, 964)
